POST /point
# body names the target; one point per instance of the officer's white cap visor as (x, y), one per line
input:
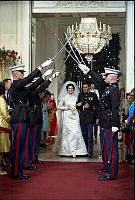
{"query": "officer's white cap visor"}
(18, 68)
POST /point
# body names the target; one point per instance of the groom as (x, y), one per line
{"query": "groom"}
(87, 106)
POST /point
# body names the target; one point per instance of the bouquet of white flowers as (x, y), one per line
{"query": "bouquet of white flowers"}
(73, 109)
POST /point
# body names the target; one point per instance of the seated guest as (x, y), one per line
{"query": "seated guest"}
(4, 128)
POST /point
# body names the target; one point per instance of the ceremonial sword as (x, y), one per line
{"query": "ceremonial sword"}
(73, 50)
(60, 51)
(65, 48)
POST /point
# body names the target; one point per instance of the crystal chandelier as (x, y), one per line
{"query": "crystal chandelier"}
(88, 38)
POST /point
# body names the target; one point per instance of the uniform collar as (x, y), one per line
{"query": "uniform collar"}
(113, 83)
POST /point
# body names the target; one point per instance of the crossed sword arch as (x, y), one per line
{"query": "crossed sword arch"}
(75, 58)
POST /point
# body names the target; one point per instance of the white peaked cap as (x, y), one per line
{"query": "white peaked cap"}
(18, 68)
(110, 71)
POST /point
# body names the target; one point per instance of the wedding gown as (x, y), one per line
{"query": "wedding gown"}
(70, 141)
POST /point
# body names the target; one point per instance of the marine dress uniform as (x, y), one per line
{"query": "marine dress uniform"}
(34, 124)
(19, 122)
(88, 117)
(108, 118)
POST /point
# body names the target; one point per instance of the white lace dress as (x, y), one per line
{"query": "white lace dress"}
(70, 141)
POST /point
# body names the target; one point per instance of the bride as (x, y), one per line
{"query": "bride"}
(69, 141)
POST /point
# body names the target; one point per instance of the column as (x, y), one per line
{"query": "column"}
(129, 46)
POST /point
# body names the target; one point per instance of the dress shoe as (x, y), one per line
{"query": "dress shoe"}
(30, 168)
(90, 155)
(3, 164)
(37, 162)
(4, 169)
(26, 175)
(22, 177)
(106, 178)
(101, 170)
(3, 173)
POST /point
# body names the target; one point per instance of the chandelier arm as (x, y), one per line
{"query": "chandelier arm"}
(72, 48)
(65, 48)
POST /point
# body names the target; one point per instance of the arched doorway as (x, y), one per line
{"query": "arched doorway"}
(45, 45)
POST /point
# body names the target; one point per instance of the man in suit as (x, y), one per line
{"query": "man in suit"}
(19, 116)
(87, 105)
(7, 83)
(109, 119)
(95, 91)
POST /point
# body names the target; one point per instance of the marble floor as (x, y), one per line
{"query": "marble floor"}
(46, 154)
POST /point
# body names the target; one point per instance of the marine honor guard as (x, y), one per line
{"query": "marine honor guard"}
(35, 120)
(19, 117)
(109, 120)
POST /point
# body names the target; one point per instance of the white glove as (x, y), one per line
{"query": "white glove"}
(47, 62)
(48, 72)
(83, 68)
(0, 120)
(85, 72)
(114, 129)
(55, 74)
(126, 121)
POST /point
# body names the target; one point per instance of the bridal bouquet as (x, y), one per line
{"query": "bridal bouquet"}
(73, 109)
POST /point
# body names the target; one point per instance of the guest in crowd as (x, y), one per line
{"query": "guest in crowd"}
(125, 129)
(49, 105)
(53, 125)
(129, 130)
(122, 111)
(45, 127)
(127, 104)
(122, 100)
(7, 84)
(5, 128)
(95, 91)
